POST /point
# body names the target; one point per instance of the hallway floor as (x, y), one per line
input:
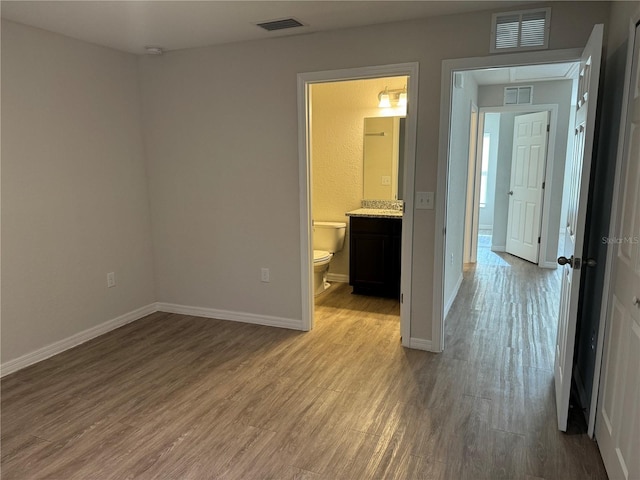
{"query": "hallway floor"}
(179, 397)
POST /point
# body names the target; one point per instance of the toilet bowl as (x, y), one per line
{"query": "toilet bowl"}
(321, 260)
(328, 238)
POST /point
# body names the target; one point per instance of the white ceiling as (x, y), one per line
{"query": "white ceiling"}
(529, 73)
(131, 25)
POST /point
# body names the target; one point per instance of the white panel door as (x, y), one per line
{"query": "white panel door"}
(527, 176)
(578, 171)
(618, 411)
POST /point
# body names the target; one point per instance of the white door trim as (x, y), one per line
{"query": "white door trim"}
(472, 211)
(448, 67)
(304, 165)
(614, 227)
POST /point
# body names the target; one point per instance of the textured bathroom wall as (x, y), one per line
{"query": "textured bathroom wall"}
(337, 136)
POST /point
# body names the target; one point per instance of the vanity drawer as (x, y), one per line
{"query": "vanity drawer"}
(382, 226)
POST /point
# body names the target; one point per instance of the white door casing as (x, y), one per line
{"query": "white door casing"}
(618, 411)
(304, 81)
(579, 171)
(528, 162)
(472, 213)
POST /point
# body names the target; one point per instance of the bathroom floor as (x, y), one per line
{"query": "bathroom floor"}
(339, 297)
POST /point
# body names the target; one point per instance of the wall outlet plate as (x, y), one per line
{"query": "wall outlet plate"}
(264, 275)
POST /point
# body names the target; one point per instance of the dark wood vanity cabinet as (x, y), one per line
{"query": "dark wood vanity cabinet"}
(374, 257)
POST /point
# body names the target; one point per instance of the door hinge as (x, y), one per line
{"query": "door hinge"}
(444, 231)
(548, 127)
(538, 239)
(543, 184)
(402, 298)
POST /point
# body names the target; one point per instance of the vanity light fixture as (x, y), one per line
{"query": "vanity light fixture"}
(398, 95)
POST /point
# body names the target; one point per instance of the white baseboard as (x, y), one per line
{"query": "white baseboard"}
(552, 265)
(74, 340)
(420, 344)
(267, 320)
(337, 277)
(498, 248)
(453, 296)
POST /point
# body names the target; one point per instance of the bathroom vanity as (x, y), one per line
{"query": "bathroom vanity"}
(375, 255)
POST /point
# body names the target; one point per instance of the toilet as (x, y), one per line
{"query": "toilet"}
(328, 238)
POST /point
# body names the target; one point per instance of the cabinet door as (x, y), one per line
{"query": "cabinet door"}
(369, 260)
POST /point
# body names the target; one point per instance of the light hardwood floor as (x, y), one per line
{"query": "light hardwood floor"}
(178, 397)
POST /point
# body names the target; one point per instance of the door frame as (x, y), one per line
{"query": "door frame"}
(552, 108)
(448, 68)
(614, 228)
(472, 211)
(304, 81)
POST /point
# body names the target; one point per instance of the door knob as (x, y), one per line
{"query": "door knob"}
(510, 192)
(566, 261)
(636, 301)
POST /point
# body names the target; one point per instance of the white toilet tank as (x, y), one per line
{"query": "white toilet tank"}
(329, 236)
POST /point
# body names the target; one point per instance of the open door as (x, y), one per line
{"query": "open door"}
(572, 261)
(618, 412)
(528, 163)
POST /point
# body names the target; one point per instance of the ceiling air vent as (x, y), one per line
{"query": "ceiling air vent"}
(283, 24)
(522, 30)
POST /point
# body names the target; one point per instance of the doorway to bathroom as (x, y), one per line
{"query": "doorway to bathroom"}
(332, 108)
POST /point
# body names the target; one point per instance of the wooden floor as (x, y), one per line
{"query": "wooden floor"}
(178, 397)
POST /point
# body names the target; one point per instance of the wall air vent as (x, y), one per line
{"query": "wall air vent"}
(273, 25)
(518, 95)
(520, 31)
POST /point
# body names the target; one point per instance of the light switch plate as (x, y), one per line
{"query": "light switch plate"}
(424, 200)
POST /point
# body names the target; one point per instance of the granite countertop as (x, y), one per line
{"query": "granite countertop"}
(375, 213)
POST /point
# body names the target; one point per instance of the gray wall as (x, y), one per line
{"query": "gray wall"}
(74, 190)
(220, 142)
(553, 92)
(221, 139)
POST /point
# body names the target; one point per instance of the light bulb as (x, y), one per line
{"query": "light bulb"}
(384, 99)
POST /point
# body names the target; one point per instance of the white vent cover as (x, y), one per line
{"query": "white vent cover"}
(521, 30)
(518, 95)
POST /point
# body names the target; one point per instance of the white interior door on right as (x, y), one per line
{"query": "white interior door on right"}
(527, 177)
(618, 411)
(578, 172)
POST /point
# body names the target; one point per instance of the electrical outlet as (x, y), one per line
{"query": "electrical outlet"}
(111, 279)
(264, 275)
(386, 180)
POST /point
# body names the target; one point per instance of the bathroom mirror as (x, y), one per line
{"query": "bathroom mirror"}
(383, 163)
